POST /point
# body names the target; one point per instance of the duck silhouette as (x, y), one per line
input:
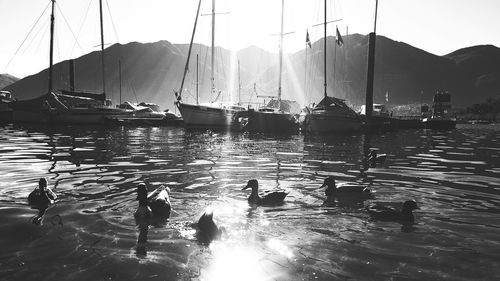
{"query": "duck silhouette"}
(344, 189)
(374, 158)
(156, 204)
(266, 198)
(41, 198)
(207, 229)
(384, 213)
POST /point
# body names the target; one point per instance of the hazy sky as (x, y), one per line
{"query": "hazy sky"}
(436, 26)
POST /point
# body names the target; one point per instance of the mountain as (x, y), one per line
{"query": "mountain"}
(152, 72)
(7, 79)
(480, 68)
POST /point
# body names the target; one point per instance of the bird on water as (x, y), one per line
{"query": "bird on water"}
(156, 204)
(42, 196)
(207, 229)
(344, 189)
(266, 198)
(384, 213)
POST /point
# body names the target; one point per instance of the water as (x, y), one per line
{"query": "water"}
(90, 233)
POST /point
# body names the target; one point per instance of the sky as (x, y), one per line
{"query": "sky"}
(436, 26)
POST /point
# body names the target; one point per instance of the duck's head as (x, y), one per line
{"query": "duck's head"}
(329, 182)
(142, 192)
(409, 206)
(42, 184)
(373, 153)
(253, 184)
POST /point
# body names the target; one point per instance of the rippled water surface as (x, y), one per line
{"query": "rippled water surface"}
(90, 233)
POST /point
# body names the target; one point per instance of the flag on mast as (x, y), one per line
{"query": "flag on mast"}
(308, 42)
(339, 40)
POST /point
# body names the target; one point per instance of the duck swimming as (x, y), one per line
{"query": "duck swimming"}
(348, 188)
(156, 204)
(42, 196)
(384, 213)
(267, 198)
(207, 229)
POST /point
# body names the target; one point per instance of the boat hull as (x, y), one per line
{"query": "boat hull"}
(324, 123)
(86, 116)
(380, 124)
(207, 116)
(439, 123)
(271, 122)
(30, 111)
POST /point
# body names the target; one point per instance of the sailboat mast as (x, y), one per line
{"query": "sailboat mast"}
(120, 78)
(197, 83)
(189, 51)
(324, 52)
(239, 83)
(51, 55)
(281, 53)
(102, 50)
(371, 69)
(212, 79)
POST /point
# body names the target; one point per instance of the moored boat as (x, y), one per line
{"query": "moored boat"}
(213, 115)
(5, 110)
(330, 115)
(277, 116)
(441, 118)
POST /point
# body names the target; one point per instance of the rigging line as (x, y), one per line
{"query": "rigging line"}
(45, 30)
(112, 22)
(81, 26)
(66, 21)
(48, 4)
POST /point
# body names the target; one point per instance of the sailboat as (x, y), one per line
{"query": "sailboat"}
(276, 116)
(81, 112)
(330, 115)
(68, 107)
(207, 115)
(37, 109)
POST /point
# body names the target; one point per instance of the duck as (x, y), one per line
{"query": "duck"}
(207, 229)
(42, 196)
(374, 158)
(384, 213)
(267, 198)
(348, 188)
(156, 204)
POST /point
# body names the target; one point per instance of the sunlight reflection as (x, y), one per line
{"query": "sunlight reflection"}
(279, 247)
(235, 263)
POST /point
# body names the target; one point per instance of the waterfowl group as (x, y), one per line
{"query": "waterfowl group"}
(42, 196)
(348, 188)
(384, 213)
(156, 204)
(266, 198)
